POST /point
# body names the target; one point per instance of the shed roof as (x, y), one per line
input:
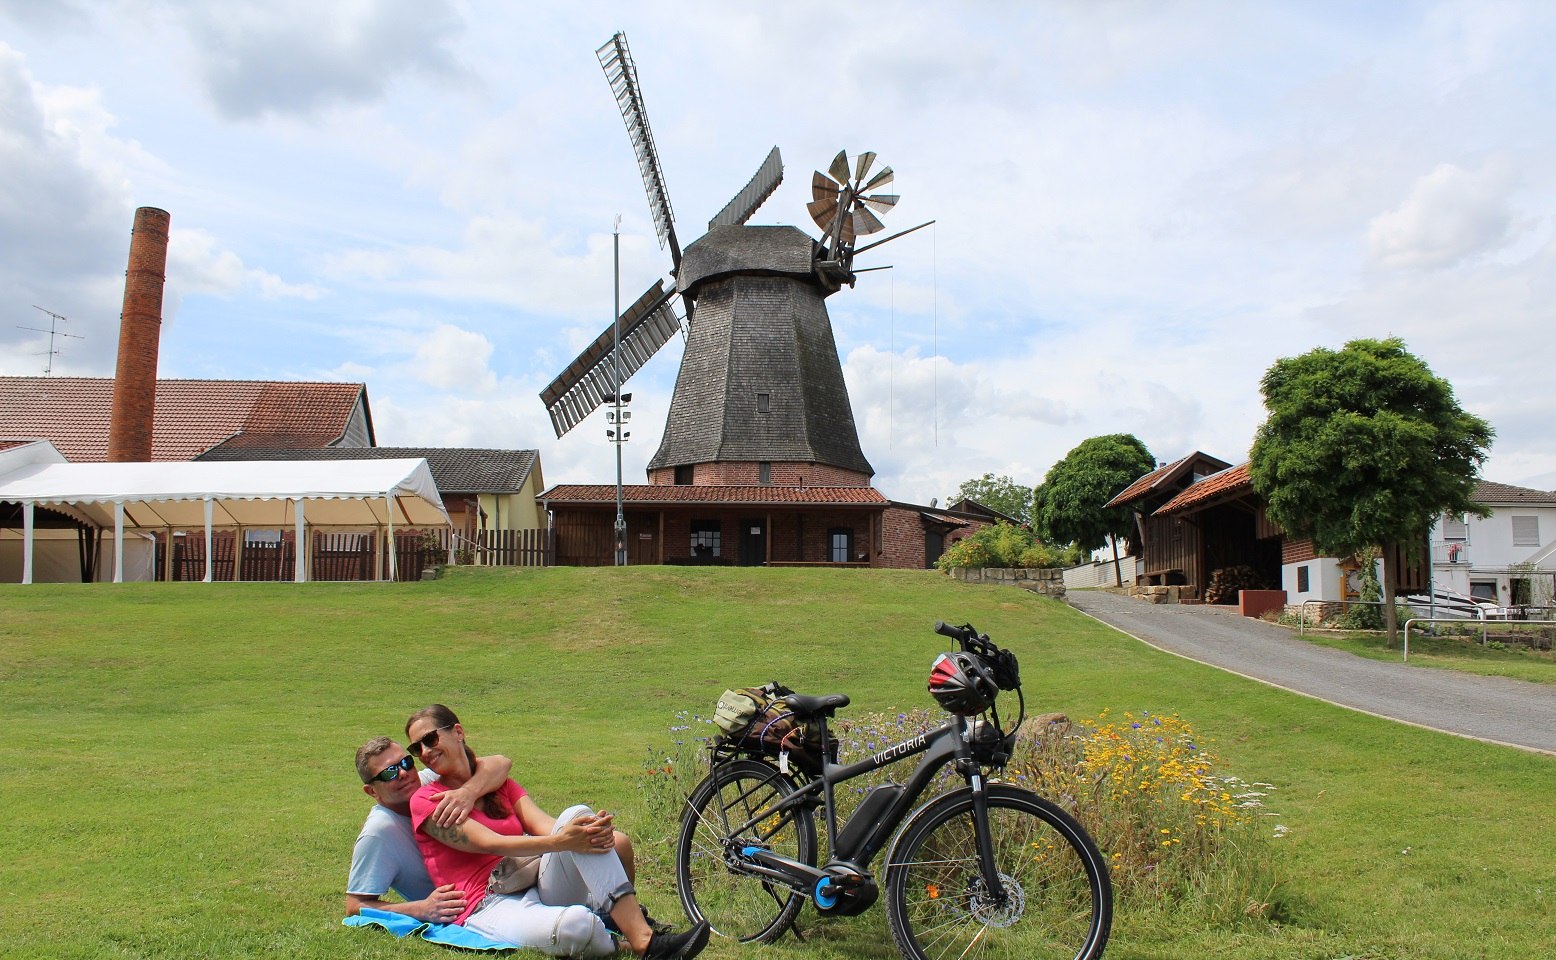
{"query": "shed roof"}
(191, 415)
(692, 495)
(1231, 482)
(455, 469)
(1165, 475)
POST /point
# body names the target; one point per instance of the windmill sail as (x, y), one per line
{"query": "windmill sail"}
(616, 61)
(768, 176)
(645, 327)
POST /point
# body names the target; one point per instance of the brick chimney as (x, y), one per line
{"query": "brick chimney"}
(140, 330)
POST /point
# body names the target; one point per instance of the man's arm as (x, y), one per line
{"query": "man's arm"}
(441, 906)
(454, 806)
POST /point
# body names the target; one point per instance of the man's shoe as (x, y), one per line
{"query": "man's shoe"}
(677, 946)
(658, 926)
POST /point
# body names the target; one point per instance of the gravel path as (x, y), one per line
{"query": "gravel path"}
(1512, 712)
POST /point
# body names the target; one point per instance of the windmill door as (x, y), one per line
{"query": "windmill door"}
(753, 543)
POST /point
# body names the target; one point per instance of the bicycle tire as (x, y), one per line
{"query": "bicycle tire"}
(1061, 898)
(736, 905)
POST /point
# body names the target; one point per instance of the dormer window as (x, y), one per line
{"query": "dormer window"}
(763, 403)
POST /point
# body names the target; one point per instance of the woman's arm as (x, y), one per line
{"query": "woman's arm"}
(473, 836)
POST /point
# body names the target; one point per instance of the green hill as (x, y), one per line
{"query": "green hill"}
(180, 779)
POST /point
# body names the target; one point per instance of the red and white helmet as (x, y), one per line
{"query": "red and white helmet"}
(962, 684)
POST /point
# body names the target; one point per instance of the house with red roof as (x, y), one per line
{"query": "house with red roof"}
(190, 416)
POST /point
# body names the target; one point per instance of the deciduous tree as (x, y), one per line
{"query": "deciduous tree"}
(999, 493)
(1363, 447)
(1070, 506)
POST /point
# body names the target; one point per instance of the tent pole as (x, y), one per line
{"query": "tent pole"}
(208, 543)
(27, 544)
(299, 566)
(167, 558)
(390, 545)
(118, 542)
(237, 555)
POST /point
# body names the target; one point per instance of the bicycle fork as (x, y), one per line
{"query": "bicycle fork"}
(983, 833)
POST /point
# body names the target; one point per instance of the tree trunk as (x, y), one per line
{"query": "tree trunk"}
(1390, 585)
(1118, 570)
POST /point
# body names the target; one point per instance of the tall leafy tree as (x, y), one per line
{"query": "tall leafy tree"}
(1363, 447)
(1070, 506)
(999, 493)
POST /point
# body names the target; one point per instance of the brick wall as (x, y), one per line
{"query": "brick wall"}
(140, 330)
(781, 474)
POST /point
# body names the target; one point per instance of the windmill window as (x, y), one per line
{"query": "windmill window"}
(840, 541)
(762, 403)
(764, 472)
(1526, 531)
(683, 476)
(706, 537)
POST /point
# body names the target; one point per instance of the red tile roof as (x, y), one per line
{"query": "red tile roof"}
(1229, 482)
(1487, 491)
(1159, 476)
(652, 493)
(191, 415)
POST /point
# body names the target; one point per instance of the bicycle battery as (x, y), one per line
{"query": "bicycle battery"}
(867, 828)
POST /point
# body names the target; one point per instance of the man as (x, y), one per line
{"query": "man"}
(385, 856)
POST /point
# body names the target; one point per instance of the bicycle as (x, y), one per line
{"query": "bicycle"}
(988, 869)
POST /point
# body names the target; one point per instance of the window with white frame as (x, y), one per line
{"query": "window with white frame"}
(1526, 531)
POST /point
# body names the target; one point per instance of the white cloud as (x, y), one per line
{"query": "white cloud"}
(455, 359)
(196, 264)
(1450, 215)
(298, 57)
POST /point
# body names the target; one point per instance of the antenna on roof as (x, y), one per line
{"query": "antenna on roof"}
(54, 320)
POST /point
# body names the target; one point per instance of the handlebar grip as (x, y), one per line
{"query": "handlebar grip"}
(946, 630)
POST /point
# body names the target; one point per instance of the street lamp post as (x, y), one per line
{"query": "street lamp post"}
(618, 435)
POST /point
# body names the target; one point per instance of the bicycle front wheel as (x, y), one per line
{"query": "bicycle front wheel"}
(1057, 901)
(738, 905)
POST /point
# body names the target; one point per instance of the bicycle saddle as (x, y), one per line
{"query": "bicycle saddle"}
(808, 706)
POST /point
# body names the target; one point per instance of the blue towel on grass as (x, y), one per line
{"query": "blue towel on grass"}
(446, 934)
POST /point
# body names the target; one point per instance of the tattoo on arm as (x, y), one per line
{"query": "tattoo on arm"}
(452, 835)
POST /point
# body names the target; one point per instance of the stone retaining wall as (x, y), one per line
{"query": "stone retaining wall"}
(1044, 580)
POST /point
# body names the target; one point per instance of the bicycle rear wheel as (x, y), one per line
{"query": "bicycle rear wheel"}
(738, 905)
(1058, 902)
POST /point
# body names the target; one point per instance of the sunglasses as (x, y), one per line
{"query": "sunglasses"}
(417, 746)
(392, 772)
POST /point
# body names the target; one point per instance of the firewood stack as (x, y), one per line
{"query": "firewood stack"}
(1226, 581)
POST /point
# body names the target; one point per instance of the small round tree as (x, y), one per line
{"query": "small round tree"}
(1071, 504)
(1364, 447)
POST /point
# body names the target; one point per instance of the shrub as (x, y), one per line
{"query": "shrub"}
(1179, 831)
(1005, 545)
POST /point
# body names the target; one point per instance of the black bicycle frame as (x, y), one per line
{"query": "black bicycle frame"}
(943, 745)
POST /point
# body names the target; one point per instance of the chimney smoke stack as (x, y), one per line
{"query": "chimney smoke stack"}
(140, 330)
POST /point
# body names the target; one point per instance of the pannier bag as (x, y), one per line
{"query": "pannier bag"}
(758, 719)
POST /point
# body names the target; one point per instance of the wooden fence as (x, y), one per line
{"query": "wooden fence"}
(336, 556)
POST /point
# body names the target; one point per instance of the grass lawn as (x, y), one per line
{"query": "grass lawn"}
(1465, 653)
(180, 779)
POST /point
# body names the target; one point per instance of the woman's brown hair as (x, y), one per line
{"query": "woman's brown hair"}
(493, 804)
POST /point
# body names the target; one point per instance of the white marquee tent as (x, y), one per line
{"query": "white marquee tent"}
(168, 496)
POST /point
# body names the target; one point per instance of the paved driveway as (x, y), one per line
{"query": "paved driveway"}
(1497, 709)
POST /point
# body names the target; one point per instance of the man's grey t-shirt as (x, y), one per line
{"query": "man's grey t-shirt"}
(385, 856)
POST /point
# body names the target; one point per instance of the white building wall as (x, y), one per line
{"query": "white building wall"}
(1489, 548)
(1324, 580)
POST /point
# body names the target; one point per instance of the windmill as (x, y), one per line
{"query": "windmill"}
(760, 379)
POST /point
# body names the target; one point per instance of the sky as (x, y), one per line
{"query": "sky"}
(1139, 206)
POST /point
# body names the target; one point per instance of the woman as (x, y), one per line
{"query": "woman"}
(584, 866)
